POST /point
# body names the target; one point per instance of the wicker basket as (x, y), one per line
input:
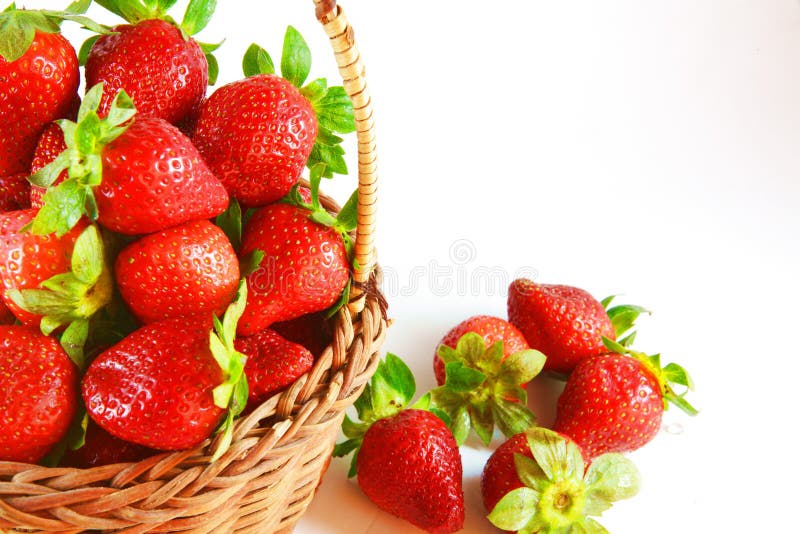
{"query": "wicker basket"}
(266, 480)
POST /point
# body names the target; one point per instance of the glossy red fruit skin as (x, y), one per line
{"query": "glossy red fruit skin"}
(165, 74)
(155, 386)
(256, 135)
(492, 329)
(273, 364)
(14, 192)
(26, 260)
(35, 89)
(187, 269)
(101, 448)
(565, 323)
(304, 269)
(154, 178)
(38, 393)
(409, 465)
(313, 331)
(50, 145)
(611, 403)
(6, 317)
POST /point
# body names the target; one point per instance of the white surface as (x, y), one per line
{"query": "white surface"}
(644, 148)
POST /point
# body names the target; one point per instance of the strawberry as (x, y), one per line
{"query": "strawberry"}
(537, 482)
(273, 364)
(146, 175)
(566, 323)
(614, 402)
(6, 317)
(304, 268)
(313, 331)
(189, 268)
(50, 145)
(165, 386)
(257, 134)
(14, 192)
(101, 448)
(485, 386)
(38, 81)
(492, 329)
(406, 459)
(38, 393)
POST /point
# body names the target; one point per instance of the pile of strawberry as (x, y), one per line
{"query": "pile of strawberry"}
(554, 480)
(162, 269)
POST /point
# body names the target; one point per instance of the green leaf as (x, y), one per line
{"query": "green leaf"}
(470, 348)
(130, 10)
(121, 111)
(612, 477)
(522, 366)
(678, 375)
(394, 374)
(314, 180)
(461, 378)
(606, 301)
(47, 175)
(447, 354)
(230, 222)
(315, 90)
(198, 14)
(213, 68)
(87, 256)
(512, 417)
(296, 58)
(346, 447)
(323, 217)
(347, 220)
(481, 417)
(550, 452)
(62, 208)
(256, 60)
(86, 47)
(460, 423)
(78, 7)
(42, 301)
(331, 156)
(344, 299)
(327, 138)
(18, 29)
(232, 315)
(515, 510)
(613, 346)
(623, 317)
(529, 473)
(73, 340)
(335, 111)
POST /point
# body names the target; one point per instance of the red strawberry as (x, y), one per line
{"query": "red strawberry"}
(614, 402)
(6, 317)
(304, 269)
(407, 461)
(492, 329)
(313, 331)
(537, 482)
(167, 385)
(38, 393)
(273, 364)
(164, 72)
(38, 82)
(189, 268)
(566, 323)
(14, 192)
(151, 177)
(101, 448)
(257, 134)
(50, 145)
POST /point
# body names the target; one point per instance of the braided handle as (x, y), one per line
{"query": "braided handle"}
(354, 81)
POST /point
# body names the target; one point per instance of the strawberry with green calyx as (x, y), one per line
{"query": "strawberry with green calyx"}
(615, 402)
(257, 134)
(70, 298)
(133, 175)
(49, 146)
(552, 489)
(623, 317)
(169, 384)
(305, 263)
(482, 387)
(406, 459)
(153, 59)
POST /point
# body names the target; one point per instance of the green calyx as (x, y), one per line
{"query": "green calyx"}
(623, 318)
(64, 204)
(72, 298)
(332, 105)
(483, 390)
(18, 27)
(669, 377)
(232, 394)
(559, 495)
(389, 391)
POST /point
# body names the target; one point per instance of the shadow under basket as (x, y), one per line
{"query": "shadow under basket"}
(266, 480)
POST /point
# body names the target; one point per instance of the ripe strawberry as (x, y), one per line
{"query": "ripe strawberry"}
(407, 461)
(492, 329)
(50, 145)
(38, 393)
(305, 263)
(537, 482)
(14, 192)
(151, 176)
(313, 331)
(614, 402)
(6, 317)
(273, 364)
(101, 448)
(257, 134)
(187, 269)
(566, 323)
(38, 80)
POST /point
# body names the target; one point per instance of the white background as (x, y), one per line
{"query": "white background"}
(643, 148)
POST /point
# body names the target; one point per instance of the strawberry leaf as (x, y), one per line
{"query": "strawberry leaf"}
(131, 10)
(331, 156)
(529, 473)
(78, 7)
(230, 222)
(515, 510)
(18, 29)
(521, 367)
(460, 378)
(335, 111)
(512, 417)
(213, 68)
(347, 219)
(87, 256)
(623, 317)
(611, 477)
(73, 340)
(86, 47)
(296, 58)
(47, 175)
(315, 90)
(63, 207)
(256, 60)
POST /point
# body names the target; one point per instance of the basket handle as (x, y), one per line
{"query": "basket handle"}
(354, 81)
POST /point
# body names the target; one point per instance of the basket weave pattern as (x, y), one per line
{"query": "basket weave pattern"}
(267, 478)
